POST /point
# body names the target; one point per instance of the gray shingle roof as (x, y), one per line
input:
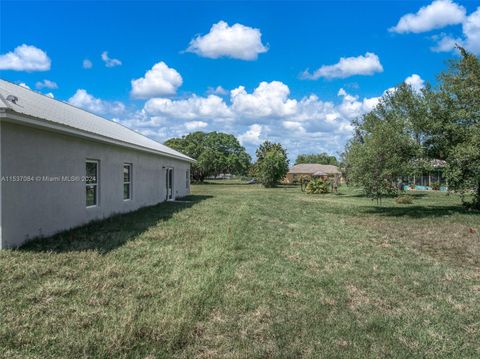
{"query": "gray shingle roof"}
(39, 106)
(311, 168)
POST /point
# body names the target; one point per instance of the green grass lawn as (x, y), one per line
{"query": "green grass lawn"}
(241, 271)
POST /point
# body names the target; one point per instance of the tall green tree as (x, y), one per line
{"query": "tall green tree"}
(384, 146)
(272, 163)
(321, 158)
(410, 128)
(215, 152)
(458, 131)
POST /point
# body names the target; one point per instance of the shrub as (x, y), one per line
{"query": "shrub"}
(435, 186)
(317, 186)
(303, 182)
(405, 199)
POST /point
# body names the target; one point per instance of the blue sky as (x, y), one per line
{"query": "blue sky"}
(259, 70)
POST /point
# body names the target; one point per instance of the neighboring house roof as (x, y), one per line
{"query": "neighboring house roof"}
(63, 116)
(312, 168)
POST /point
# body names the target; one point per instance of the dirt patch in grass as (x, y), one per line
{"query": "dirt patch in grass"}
(455, 243)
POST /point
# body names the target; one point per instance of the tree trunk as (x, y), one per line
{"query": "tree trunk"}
(476, 200)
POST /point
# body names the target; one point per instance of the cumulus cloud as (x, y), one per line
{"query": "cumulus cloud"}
(346, 67)
(293, 126)
(470, 39)
(252, 135)
(438, 14)
(50, 95)
(46, 84)
(84, 100)
(445, 43)
(415, 81)
(351, 107)
(87, 64)
(237, 41)
(25, 58)
(161, 80)
(471, 30)
(269, 99)
(194, 107)
(109, 62)
(219, 90)
(265, 112)
(269, 103)
(24, 85)
(195, 125)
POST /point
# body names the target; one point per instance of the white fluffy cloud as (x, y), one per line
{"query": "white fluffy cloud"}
(471, 30)
(237, 41)
(161, 80)
(46, 84)
(445, 43)
(195, 125)
(352, 107)
(293, 126)
(24, 85)
(83, 99)
(194, 107)
(470, 40)
(252, 135)
(219, 90)
(109, 62)
(25, 58)
(438, 14)
(348, 66)
(87, 64)
(267, 111)
(269, 99)
(415, 81)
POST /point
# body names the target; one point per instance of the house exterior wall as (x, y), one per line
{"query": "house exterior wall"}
(291, 177)
(39, 207)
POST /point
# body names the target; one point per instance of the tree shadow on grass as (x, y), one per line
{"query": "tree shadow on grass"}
(419, 211)
(106, 235)
(414, 195)
(220, 182)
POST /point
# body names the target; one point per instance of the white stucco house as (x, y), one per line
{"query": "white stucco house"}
(62, 167)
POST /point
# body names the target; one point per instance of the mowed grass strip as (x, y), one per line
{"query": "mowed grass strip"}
(241, 271)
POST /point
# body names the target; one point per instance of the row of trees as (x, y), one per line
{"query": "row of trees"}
(409, 128)
(216, 153)
(220, 153)
(321, 158)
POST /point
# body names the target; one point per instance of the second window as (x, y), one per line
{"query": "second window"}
(127, 181)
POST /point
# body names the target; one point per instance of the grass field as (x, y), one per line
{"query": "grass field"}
(241, 271)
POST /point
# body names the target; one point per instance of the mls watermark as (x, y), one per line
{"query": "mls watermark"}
(88, 179)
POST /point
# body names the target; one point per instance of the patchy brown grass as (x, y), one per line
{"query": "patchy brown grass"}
(456, 243)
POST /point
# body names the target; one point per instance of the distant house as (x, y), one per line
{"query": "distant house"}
(310, 170)
(434, 178)
(62, 167)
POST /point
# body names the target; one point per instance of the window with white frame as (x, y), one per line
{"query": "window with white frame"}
(127, 181)
(187, 179)
(91, 180)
